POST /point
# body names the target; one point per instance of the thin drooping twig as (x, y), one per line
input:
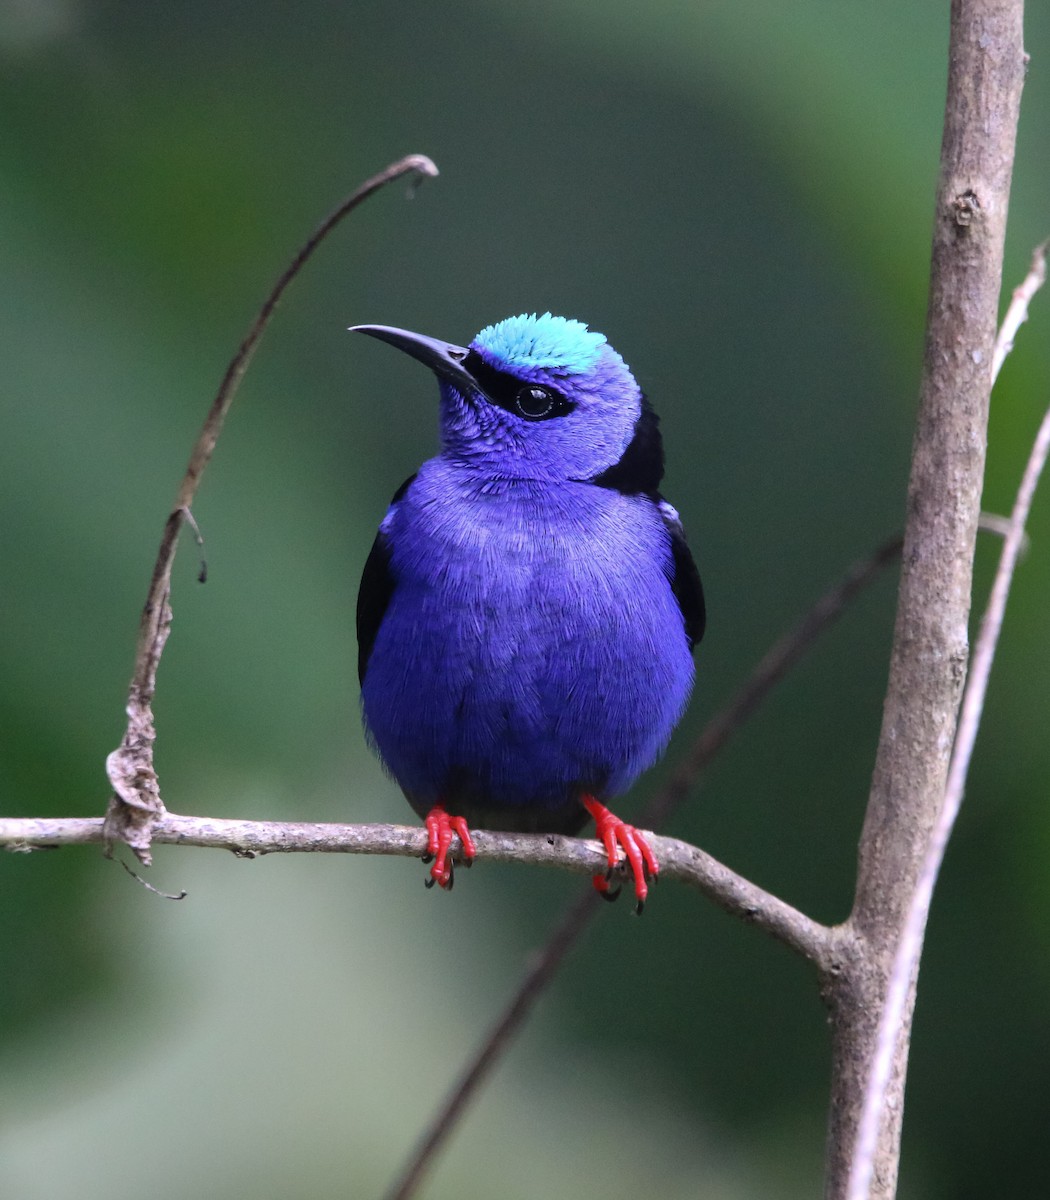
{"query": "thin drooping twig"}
(136, 801)
(771, 668)
(909, 949)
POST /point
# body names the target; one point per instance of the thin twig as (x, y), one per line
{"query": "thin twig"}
(909, 948)
(993, 523)
(136, 801)
(1017, 313)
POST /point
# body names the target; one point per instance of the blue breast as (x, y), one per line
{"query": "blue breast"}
(531, 648)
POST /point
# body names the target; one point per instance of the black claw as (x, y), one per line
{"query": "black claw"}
(609, 897)
(451, 875)
(429, 883)
(426, 858)
(467, 862)
(639, 908)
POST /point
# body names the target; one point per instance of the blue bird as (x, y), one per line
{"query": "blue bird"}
(527, 614)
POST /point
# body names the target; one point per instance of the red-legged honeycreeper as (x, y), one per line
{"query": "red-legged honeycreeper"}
(527, 615)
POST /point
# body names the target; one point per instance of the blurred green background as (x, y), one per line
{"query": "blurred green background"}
(740, 196)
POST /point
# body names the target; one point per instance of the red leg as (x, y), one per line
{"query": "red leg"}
(440, 828)
(616, 835)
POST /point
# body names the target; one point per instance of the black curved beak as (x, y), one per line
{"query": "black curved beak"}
(443, 358)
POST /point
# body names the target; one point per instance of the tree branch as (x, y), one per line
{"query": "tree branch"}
(251, 839)
(136, 801)
(929, 655)
(906, 959)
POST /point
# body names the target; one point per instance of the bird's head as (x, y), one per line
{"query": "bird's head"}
(540, 397)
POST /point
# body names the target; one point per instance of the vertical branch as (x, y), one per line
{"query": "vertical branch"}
(930, 648)
(909, 948)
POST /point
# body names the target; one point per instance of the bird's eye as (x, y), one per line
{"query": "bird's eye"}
(534, 402)
(530, 401)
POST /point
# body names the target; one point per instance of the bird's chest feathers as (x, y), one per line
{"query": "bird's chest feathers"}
(523, 545)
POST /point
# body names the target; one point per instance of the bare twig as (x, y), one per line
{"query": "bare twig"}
(993, 523)
(1017, 313)
(251, 839)
(909, 949)
(136, 802)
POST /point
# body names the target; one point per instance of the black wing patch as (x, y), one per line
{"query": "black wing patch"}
(638, 472)
(373, 596)
(686, 585)
(641, 466)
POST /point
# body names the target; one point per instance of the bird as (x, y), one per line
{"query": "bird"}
(528, 612)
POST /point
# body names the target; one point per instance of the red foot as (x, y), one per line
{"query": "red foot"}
(614, 835)
(440, 828)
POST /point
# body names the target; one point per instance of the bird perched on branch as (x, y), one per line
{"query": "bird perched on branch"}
(527, 614)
